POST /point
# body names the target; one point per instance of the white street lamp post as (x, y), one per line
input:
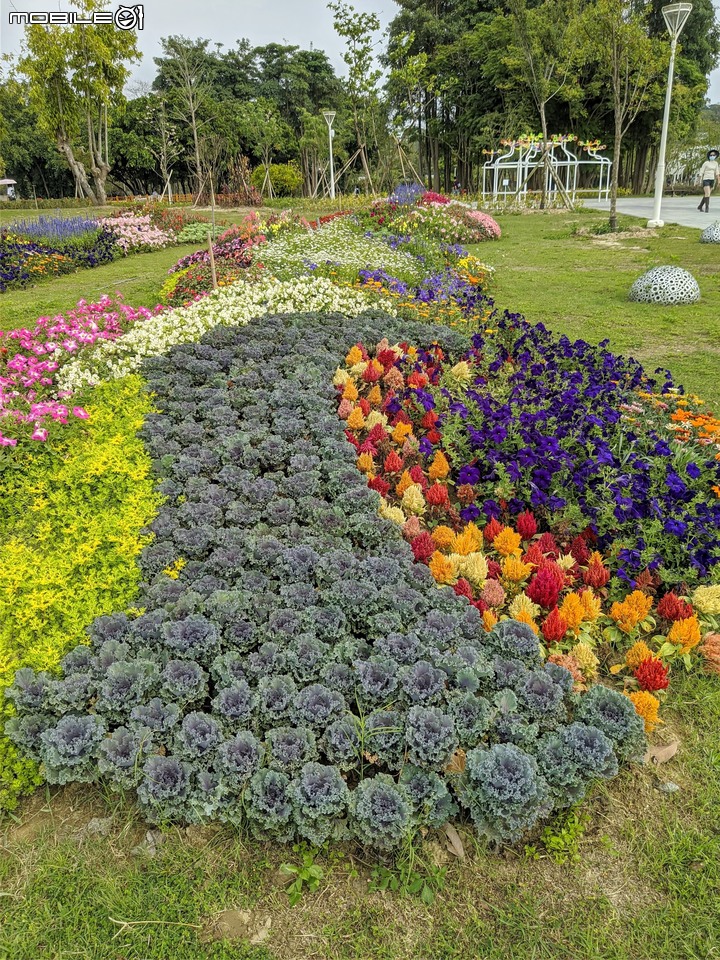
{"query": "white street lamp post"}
(675, 15)
(329, 117)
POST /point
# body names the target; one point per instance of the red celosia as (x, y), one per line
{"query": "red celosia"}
(382, 486)
(434, 436)
(417, 379)
(596, 575)
(393, 463)
(671, 607)
(436, 495)
(429, 420)
(417, 476)
(351, 437)
(480, 605)
(466, 493)
(544, 587)
(533, 555)
(423, 547)
(400, 417)
(387, 358)
(372, 373)
(579, 550)
(554, 626)
(364, 406)
(652, 675)
(526, 525)
(548, 545)
(492, 530)
(494, 570)
(377, 434)
(367, 447)
(463, 589)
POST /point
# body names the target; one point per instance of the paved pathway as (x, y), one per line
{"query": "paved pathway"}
(682, 210)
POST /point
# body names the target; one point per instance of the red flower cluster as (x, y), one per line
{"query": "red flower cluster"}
(671, 607)
(652, 675)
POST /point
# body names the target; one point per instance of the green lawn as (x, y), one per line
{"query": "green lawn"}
(646, 885)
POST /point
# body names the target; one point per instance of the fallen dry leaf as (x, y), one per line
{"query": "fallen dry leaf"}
(661, 753)
(457, 762)
(453, 842)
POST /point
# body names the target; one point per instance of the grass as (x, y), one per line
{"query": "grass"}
(647, 884)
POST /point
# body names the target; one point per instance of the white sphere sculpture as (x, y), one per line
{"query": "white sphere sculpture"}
(665, 285)
(711, 234)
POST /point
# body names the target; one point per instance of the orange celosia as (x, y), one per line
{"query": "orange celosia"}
(637, 653)
(592, 605)
(443, 536)
(401, 432)
(686, 633)
(469, 540)
(375, 397)
(572, 611)
(710, 651)
(440, 467)
(353, 356)
(356, 420)
(647, 707)
(365, 462)
(632, 611)
(515, 570)
(442, 569)
(507, 542)
(524, 617)
(403, 483)
(350, 391)
(489, 619)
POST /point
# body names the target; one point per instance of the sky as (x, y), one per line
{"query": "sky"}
(299, 22)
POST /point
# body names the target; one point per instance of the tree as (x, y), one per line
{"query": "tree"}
(265, 130)
(76, 76)
(626, 64)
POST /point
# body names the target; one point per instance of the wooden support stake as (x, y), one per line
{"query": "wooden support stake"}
(212, 261)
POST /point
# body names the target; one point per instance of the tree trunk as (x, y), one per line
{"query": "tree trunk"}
(78, 170)
(615, 169)
(543, 125)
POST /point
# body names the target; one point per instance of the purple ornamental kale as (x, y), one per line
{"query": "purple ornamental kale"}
(380, 812)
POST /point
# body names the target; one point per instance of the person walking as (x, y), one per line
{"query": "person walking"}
(710, 175)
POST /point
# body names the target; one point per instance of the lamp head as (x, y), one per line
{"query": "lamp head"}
(675, 15)
(329, 117)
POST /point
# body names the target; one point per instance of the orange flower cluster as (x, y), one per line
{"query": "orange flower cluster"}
(632, 611)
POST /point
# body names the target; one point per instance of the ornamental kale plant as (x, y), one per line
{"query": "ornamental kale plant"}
(293, 669)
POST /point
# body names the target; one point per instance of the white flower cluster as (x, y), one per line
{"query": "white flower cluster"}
(337, 243)
(233, 306)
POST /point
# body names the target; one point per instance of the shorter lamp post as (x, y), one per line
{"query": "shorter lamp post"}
(675, 15)
(329, 117)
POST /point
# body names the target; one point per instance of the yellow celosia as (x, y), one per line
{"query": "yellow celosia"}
(638, 652)
(403, 483)
(413, 500)
(365, 462)
(592, 605)
(340, 378)
(632, 611)
(707, 599)
(439, 468)
(573, 611)
(350, 391)
(461, 372)
(443, 536)
(442, 569)
(356, 420)
(353, 356)
(566, 561)
(514, 569)
(392, 513)
(587, 660)
(401, 432)
(469, 540)
(647, 707)
(375, 398)
(685, 633)
(358, 369)
(522, 604)
(475, 569)
(489, 619)
(375, 417)
(524, 617)
(507, 542)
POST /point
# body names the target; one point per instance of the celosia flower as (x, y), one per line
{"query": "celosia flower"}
(345, 408)
(340, 377)
(686, 633)
(356, 420)
(461, 372)
(566, 561)
(474, 567)
(587, 660)
(710, 651)
(632, 611)
(437, 495)
(394, 379)
(392, 463)
(443, 537)
(592, 606)
(350, 391)
(522, 604)
(647, 707)
(671, 607)
(376, 419)
(568, 661)
(470, 540)
(554, 626)
(707, 599)
(492, 529)
(493, 594)
(412, 528)
(394, 514)
(489, 620)
(596, 575)
(524, 617)
(401, 432)
(423, 547)
(353, 356)
(652, 675)
(439, 468)
(544, 588)
(413, 500)
(507, 542)
(375, 397)
(573, 611)
(442, 569)
(365, 463)
(638, 652)
(515, 570)
(526, 525)
(403, 483)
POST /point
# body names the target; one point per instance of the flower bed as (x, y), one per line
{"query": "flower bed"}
(293, 668)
